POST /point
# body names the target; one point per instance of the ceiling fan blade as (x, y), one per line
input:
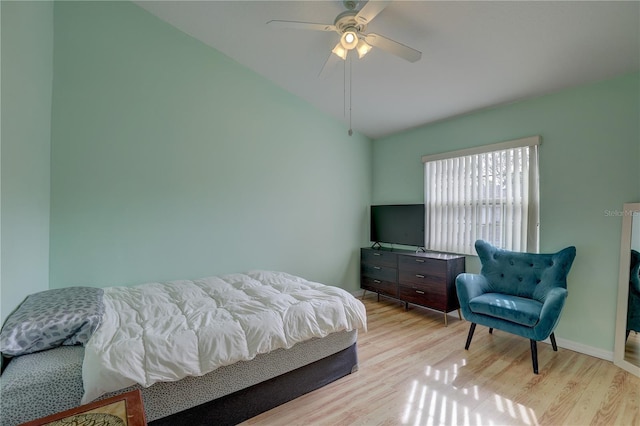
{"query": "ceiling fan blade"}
(370, 10)
(296, 25)
(329, 65)
(393, 47)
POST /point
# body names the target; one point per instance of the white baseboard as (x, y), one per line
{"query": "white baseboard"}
(562, 343)
(583, 349)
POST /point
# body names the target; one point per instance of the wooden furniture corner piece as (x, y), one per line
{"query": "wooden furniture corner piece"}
(125, 409)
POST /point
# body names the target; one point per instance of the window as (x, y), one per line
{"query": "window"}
(488, 193)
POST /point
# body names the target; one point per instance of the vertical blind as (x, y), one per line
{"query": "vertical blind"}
(488, 193)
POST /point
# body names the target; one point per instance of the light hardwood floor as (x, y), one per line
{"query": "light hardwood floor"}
(415, 371)
(632, 348)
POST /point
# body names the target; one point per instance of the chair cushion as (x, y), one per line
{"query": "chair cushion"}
(511, 308)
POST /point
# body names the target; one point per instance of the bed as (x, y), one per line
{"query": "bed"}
(275, 336)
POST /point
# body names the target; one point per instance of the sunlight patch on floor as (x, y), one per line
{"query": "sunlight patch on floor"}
(525, 414)
(426, 405)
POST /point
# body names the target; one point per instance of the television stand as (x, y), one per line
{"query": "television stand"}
(378, 246)
(424, 279)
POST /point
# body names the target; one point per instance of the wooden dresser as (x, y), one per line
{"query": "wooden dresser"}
(425, 279)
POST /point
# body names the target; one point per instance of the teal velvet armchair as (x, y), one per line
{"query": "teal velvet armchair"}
(520, 293)
(633, 308)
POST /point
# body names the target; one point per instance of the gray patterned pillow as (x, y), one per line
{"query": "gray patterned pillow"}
(52, 318)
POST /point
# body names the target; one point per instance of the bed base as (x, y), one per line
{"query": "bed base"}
(247, 403)
(43, 383)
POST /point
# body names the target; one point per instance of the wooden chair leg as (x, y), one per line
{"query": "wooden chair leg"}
(553, 342)
(534, 356)
(470, 336)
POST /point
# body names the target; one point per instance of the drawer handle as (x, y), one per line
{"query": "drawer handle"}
(420, 260)
(419, 291)
(419, 276)
(376, 267)
(377, 254)
(377, 281)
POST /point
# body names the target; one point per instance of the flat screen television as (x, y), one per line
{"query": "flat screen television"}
(398, 224)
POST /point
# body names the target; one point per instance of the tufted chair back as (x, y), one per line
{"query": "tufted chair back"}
(529, 275)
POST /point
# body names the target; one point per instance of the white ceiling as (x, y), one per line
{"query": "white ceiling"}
(475, 54)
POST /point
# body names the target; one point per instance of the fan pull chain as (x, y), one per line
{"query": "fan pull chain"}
(344, 89)
(350, 132)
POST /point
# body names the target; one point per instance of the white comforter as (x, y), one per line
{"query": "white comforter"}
(167, 331)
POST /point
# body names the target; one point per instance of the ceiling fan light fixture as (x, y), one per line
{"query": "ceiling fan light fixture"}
(349, 39)
(363, 48)
(340, 51)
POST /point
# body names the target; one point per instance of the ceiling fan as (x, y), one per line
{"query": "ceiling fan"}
(351, 25)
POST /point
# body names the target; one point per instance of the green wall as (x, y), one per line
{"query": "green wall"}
(588, 164)
(172, 161)
(159, 158)
(26, 74)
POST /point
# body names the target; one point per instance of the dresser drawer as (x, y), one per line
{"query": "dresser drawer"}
(423, 297)
(378, 257)
(434, 267)
(423, 283)
(382, 273)
(423, 278)
(379, 286)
